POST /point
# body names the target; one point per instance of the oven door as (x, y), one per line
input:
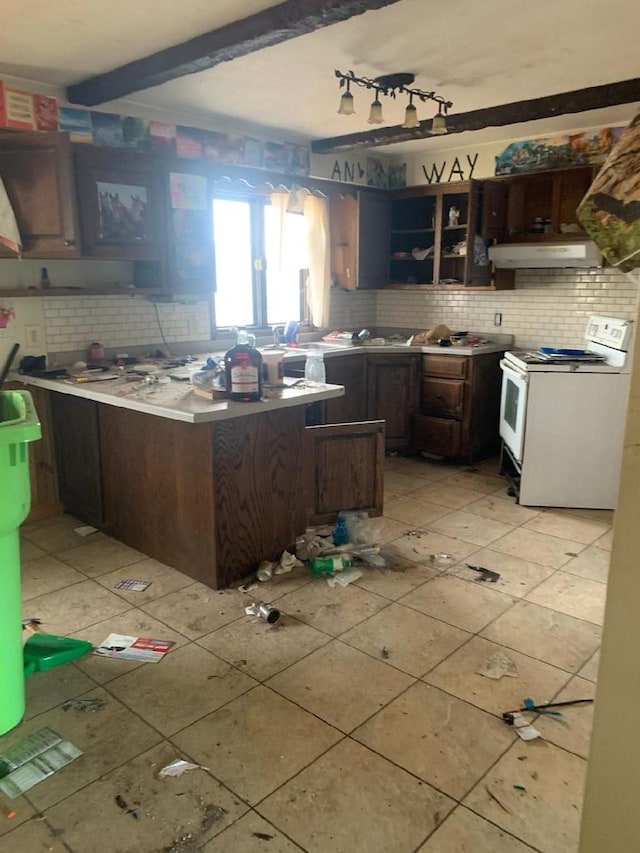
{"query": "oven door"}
(513, 407)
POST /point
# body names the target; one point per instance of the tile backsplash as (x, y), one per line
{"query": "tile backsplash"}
(73, 322)
(547, 307)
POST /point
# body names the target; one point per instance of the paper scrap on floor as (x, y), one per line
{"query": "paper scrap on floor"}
(85, 530)
(524, 729)
(133, 585)
(30, 761)
(142, 649)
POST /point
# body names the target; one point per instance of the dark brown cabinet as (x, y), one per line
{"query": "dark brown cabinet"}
(122, 204)
(359, 236)
(392, 395)
(459, 406)
(438, 235)
(37, 172)
(350, 371)
(542, 206)
(77, 445)
(345, 469)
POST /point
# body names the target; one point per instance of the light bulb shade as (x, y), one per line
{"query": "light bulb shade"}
(439, 125)
(375, 113)
(346, 107)
(410, 117)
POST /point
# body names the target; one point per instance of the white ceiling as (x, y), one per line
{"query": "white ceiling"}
(475, 54)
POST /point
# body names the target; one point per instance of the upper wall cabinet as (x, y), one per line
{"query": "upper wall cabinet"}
(122, 204)
(542, 207)
(438, 235)
(359, 225)
(37, 172)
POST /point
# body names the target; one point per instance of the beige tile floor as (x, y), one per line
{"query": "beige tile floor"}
(310, 736)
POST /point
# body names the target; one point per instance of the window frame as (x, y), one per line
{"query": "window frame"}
(257, 204)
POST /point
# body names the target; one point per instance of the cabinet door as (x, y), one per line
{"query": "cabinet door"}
(77, 442)
(442, 397)
(190, 246)
(36, 169)
(121, 204)
(373, 240)
(350, 371)
(392, 389)
(494, 211)
(343, 224)
(344, 469)
(570, 187)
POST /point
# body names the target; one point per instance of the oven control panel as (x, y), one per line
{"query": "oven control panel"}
(609, 331)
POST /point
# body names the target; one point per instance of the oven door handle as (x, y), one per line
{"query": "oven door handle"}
(512, 371)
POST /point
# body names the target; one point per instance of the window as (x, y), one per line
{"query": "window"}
(259, 263)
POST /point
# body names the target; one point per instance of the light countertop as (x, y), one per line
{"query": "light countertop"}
(330, 350)
(176, 400)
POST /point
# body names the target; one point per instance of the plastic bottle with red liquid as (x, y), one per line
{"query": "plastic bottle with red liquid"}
(243, 370)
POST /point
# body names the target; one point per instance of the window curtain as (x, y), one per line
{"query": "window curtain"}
(315, 210)
(316, 214)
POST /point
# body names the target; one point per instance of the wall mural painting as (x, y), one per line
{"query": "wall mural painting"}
(557, 152)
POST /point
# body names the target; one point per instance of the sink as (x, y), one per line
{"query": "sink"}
(320, 345)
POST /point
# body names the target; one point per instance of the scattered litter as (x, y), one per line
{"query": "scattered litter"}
(442, 561)
(287, 563)
(523, 728)
(120, 802)
(385, 652)
(10, 814)
(529, 705)
(133, 585)
(499, 802)
(141, 649)
(522, 757)
(263, 611)
(263, 836)
(86, 706)
(134, 814)
(328, 565)
(498, 665)
(178, 767)
(344, 578)
(248, 586)
(40, 755)
(85, 530)
(415, 533)
(519, 787)
(265, 571)
(485, 574)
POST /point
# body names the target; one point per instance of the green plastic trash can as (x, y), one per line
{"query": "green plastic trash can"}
(19, 425)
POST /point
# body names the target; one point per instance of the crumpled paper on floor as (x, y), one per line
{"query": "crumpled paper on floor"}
(498, 665)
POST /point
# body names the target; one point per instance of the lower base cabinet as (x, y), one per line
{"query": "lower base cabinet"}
(459, 407)
(212, 499)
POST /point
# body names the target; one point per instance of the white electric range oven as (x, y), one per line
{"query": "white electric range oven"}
(562, 418)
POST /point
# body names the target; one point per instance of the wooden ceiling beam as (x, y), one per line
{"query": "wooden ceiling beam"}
(266, 28)
(578, 101)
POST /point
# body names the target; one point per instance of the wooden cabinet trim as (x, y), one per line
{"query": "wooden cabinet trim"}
(454, 366)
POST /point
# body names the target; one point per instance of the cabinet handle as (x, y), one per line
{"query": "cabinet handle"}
(69, 243)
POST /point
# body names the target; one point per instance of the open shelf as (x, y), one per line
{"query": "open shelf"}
(412, 230)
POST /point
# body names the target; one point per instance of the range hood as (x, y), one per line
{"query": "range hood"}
(581, 254)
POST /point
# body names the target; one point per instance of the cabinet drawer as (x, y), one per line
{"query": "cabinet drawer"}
(439, 436)
(442, 397)
(445, 365)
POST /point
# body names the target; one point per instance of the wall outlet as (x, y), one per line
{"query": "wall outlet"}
(33, 335)
(497, 318)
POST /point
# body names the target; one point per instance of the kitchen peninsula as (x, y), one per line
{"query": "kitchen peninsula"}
(210, 488)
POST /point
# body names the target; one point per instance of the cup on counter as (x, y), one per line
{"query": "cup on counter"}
(274, 366)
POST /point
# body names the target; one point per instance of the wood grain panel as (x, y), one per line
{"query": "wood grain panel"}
(259, 489)
(42, 459)
(350, 371)
(439, 436)
(442, 397)
(345, 469)
(76, 436)
(393, 394)
(454, 366)
(158, 488)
